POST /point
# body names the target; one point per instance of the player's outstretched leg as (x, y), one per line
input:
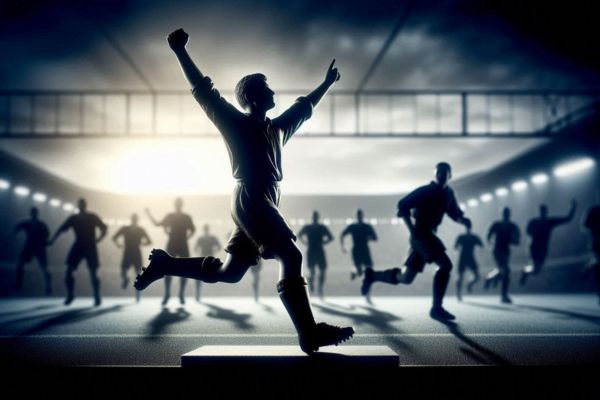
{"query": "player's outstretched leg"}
(311, 335)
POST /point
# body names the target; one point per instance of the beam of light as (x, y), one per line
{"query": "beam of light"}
(21, 191)
(68, 207)
(55, 202)
(486, 197)
(4, 184)
(573, 167)
(539, 179)
(501, 191)
(519, 186)
(472, 203)
(40, 197)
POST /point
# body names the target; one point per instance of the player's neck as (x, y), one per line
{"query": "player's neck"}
(261, 115)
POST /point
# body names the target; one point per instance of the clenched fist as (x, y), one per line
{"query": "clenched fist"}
(178, 39)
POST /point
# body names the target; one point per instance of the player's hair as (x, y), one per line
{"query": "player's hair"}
(443, 165)
(244, 88)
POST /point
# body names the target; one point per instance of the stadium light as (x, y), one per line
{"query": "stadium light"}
(55, 202)
(21, 191)
(519, 186)
(573, 167)
(373, 221)
(327, 221)
(301, 222)
(472, 203)
(40, 197)
(4, 184)
(539, 179)
(501, 192)
(394, 221)
(68, 207)
(486, 197)
(349, 221)
(462, 206)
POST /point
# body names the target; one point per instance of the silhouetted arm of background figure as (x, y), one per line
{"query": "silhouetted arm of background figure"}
(146, 239)
(61, 229)
(102, 226)
(372, 234)
(116, 237)
(302, 235)
(345, 232)
(328, 238)
(567, 218)
(492, 232)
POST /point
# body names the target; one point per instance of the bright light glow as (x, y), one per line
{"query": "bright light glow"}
(293, 221)
(4, 184)
(55, 202)
(486, 197)
(573, 167)
(373, 221)
(472, 203)
(394, 221)
(519, 186)
(349, 221)
(68, 207)
(21, 191)
(327, 221)
(301, 222)
(109, 221)
(462, 206)
(501, 192)
(538, 179)
(40, 197)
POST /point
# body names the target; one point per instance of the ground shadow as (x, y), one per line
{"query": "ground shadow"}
(159, 324)
(239, 320)
(491, 306)
(475, 351)
(27, 310)
(64, 317)
(594, 319)
(336, 305)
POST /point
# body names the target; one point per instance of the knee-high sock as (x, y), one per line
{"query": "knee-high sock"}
(199, 268)
(294, 296)
(505, 283)
(440, 283)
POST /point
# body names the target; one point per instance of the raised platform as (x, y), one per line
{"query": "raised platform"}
(265, 356)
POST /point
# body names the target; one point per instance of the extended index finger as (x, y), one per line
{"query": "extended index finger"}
(331, 65)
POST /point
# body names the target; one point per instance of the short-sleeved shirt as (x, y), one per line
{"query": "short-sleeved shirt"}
(36, 233)
(430, 203)
(178, 225)
(467, 243)
(361, 234)
(506, 233)
(254, 146)
(132, 236)
(84, 225)
(208, 244)
(315, 233)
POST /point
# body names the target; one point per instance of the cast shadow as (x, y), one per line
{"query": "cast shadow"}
(239, 320)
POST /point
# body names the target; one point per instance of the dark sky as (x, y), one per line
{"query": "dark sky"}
(449, 44)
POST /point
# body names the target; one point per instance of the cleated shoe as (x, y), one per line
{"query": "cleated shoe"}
(441, 314)
(324, 335)
(155, 270)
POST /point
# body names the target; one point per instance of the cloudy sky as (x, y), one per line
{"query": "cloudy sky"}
(85, 45)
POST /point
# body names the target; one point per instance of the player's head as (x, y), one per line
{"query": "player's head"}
(206, 229)
(178, 203)
(443, 173)
(82, 205)
(360, 215)
(506, 213)
(315, 216)
(134, 219)
(543, 210)
(34, 213)
(253, 92)
(468, 225)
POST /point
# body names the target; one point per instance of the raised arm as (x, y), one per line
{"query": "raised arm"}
(177, 41)
(571, 213)
(331, 77)
(151, 217)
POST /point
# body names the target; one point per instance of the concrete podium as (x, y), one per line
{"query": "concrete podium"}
(273, 356)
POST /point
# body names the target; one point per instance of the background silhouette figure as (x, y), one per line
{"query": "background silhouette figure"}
(36, 240)
(540, 229)
(206, 245)
(179, 227)
(134, 236)
(254, 143)
(467, 242)
(84, 225)
(592, 223)
(427, 204)
(361, 234)
(315, 236)
(505, 234)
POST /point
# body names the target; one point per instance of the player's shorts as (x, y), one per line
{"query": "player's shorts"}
(29, 253)
(467, 263)
(316, 258)
(178, 249)
(132, 258)
(79, 252)
(260, 228)
(424, 249)
(538, 256)
(502, 258)
(362, 256)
